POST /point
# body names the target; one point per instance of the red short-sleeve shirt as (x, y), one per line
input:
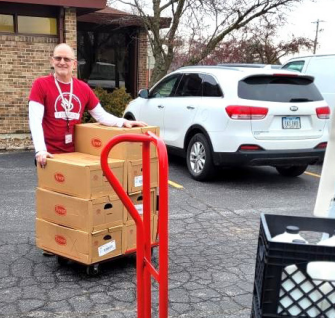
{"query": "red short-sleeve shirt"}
(57, 123)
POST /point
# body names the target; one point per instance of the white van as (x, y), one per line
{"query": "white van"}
(322, 67)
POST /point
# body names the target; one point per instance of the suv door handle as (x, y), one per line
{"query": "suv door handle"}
(190, 107)
(160, 106)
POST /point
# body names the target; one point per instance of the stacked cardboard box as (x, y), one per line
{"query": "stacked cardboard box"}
(79, 216)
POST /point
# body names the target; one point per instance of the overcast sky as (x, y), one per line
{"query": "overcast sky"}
(300, 24)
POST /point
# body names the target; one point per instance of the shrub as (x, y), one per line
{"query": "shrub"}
(114, 103)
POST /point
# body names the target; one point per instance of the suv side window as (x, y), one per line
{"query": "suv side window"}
(190, 85)
(294, 66)
(166, 88)
(210, 87)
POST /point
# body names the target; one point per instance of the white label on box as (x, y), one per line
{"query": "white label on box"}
(106, 248)
(138, 181)
(139, 208)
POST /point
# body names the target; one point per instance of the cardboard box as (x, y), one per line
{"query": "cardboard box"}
(135, 176)
(137, 199)
(91, 138)
(80, 175)
(80, 214)
(83, 247)
(129, 236)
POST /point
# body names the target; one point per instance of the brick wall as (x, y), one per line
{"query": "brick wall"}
(142, 56)
(70, 28)
(22, 59)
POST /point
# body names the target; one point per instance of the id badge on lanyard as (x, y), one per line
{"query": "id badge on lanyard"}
(68, 136)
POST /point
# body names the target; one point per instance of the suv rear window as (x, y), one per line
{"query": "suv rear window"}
(278, 89)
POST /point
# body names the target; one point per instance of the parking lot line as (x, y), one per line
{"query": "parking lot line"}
(175, 185)
(312, 174)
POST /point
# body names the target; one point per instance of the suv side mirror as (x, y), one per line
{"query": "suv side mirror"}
(144, 93)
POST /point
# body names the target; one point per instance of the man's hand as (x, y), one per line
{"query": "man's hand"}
(41, 158)
(134, 123)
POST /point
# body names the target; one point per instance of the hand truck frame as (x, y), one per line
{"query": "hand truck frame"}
(144, 267)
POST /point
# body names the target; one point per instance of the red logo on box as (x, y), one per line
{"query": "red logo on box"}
(96, 143)
(59, 209)
(61, 240)
(59, 177)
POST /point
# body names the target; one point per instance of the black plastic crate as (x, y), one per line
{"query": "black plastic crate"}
(279, 265)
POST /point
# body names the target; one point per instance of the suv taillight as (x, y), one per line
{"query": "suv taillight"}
(323, 145)
(323, 112)
(246, 112)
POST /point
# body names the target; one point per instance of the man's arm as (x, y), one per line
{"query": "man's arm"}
(107, 119)
(36, 112)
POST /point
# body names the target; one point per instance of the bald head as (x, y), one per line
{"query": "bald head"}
(64, 62)
(64, 48)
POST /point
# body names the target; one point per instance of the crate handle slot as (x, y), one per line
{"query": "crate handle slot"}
(261, 252)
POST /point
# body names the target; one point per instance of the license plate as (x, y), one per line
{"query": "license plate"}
(291, 123)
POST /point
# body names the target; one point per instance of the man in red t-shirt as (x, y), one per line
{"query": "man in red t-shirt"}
(57, 103)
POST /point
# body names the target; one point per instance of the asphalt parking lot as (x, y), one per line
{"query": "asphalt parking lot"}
(213, 230)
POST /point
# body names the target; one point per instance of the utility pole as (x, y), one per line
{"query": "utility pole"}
(316, 34)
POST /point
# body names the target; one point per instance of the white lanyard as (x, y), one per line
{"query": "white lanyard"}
(65, 104)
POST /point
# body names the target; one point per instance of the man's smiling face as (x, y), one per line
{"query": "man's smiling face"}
(63, 62)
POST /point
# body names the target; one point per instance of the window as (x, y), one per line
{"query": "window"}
(103, 58)
(22, 20)
(190, 85)
(210, 88)
(6, 23)
(294, 66)
(37, 25)
(166, 88)
(279, 89)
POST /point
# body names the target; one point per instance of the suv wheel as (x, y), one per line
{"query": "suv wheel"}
(292, 171)
(129, 116)
(199, 158)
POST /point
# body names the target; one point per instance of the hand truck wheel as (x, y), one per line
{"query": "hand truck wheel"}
(92, 270)
(62, 260)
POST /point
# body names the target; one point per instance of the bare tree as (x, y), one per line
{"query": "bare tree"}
(214, 19)
(263, 45)
(257, 42)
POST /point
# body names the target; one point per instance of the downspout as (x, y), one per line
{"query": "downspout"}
(61, 22)
(136, 72)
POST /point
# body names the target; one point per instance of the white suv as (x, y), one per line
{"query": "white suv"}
(226, 116)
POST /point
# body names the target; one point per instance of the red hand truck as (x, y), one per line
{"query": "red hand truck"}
(144, 267)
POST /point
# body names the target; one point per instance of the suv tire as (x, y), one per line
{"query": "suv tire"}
(129, 116)
(199, 158)
(292, 171)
